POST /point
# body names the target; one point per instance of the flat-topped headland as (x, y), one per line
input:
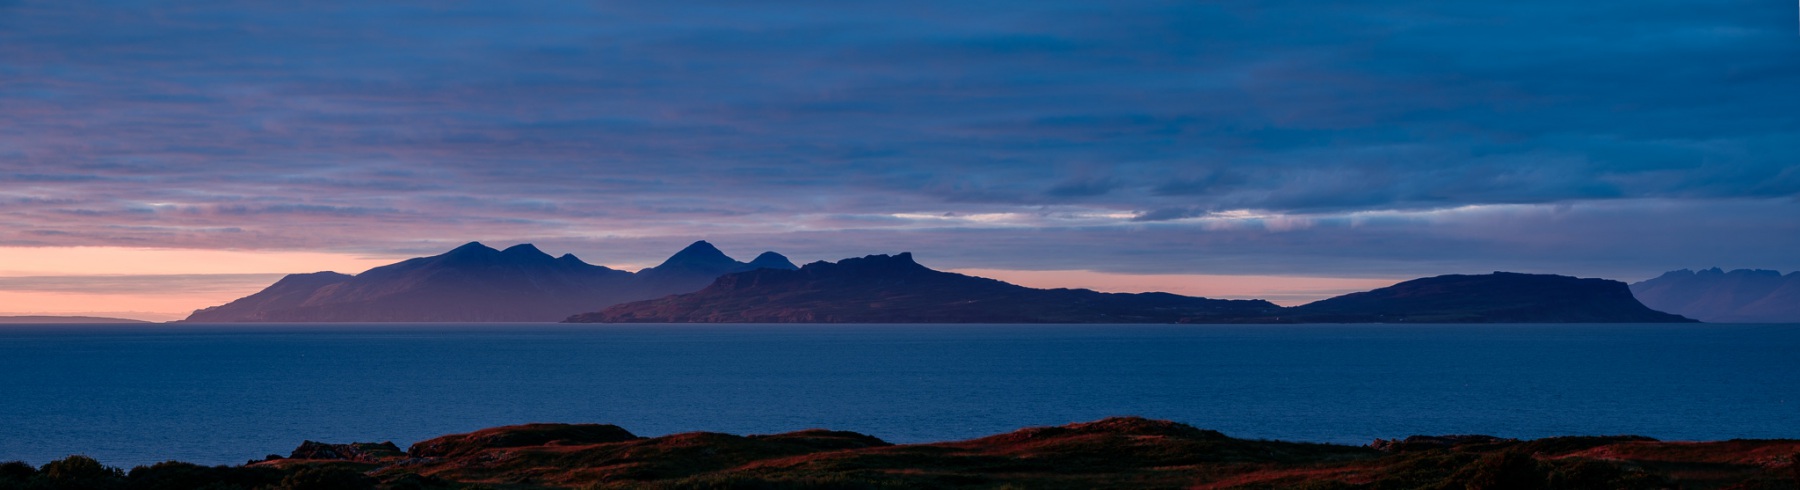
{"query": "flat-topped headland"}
(1120, 452)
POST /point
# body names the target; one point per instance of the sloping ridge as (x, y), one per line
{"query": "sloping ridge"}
(895, 289)
(476, 283)
(62, 319)
(291, 292)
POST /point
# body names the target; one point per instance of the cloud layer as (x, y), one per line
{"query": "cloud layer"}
(1374, 139)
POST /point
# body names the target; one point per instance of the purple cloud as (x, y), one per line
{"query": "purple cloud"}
(1120, 131)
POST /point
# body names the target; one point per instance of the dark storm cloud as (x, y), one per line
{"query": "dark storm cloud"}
(406, 125)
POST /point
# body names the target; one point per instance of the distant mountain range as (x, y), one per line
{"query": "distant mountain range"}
(64, 319)
(895, 289)
(476, 283)
(1713, 295)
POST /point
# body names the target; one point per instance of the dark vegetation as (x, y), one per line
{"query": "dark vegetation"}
(1112, 453)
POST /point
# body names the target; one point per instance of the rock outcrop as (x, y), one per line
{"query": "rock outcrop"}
(362, 452)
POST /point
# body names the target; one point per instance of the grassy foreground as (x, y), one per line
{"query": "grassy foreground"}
(1111, 453)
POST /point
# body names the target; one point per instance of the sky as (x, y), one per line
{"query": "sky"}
(157, 157)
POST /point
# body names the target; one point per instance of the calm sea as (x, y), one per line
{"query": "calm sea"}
(226, 394)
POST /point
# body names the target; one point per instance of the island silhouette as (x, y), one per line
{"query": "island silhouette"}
(700, 284)
(477, 283)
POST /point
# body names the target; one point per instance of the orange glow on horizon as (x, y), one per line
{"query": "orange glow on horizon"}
(148, 307)
(237, 276)
(84, 261)
(170, 303)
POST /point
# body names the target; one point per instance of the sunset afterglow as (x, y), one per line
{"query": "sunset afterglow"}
(1232, 149)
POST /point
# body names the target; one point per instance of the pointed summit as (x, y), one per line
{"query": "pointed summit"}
(472, 252)
(698, 265)
(570, 258)
(772, 260)
(468, 253)
(470, 248)
(700, 254)
(525, 250)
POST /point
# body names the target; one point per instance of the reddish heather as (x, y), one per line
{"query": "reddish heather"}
(1125, 452)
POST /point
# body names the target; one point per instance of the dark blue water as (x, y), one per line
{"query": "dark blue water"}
(225, 394)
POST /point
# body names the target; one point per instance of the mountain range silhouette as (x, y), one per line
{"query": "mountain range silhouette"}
(477, 283)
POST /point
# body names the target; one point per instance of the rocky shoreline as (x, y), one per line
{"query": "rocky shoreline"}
(1124, 452)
